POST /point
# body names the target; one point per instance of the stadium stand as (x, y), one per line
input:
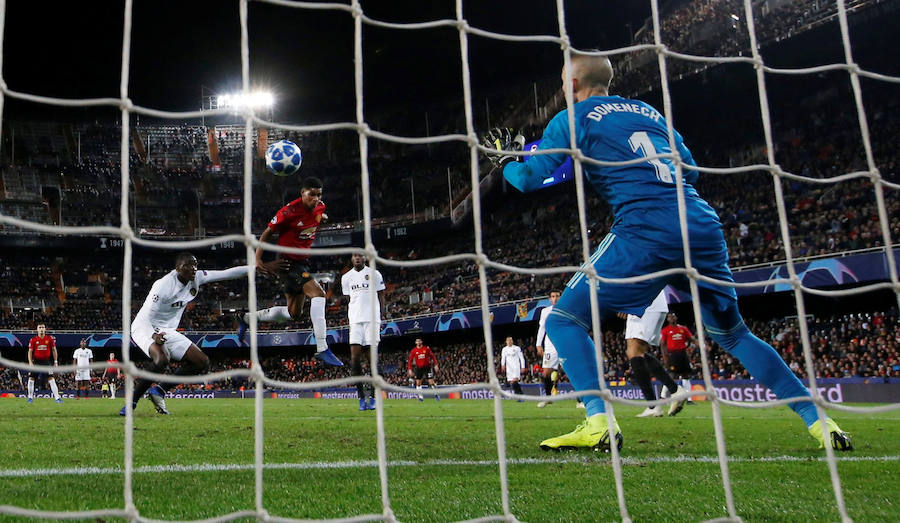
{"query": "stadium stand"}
(69, 174)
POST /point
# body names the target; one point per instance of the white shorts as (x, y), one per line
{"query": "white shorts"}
(364, 334)
(513, 373)
(646, 327)
(176, 345)
(551, 359)
(83, 375)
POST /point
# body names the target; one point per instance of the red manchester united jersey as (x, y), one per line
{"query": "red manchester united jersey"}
(675, 337)
(42, 346)
(297, 226)
(421, 357)
(110, 369)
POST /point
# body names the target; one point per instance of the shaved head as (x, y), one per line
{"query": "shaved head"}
(591, 75)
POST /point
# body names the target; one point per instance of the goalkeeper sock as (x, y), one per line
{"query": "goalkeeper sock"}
(642, 377)
(657, 371)
(278, 314)
(317, 315)
(30, 389)
(759, 358)
(576, 350)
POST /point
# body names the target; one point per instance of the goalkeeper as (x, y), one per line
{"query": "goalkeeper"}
(645, 237)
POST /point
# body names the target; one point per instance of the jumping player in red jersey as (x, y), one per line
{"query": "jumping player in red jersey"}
(676, 339)
(422, 364)
(40, 350)
(296, 225)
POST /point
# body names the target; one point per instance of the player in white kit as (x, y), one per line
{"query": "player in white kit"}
(512, 361)
(547, 352)
(356, 283)
(82, 357)
(642, 332)
(154, 328)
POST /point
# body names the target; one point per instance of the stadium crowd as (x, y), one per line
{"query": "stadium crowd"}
(177, 190)
(865, 345)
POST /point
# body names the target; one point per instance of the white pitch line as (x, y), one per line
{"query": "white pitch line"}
(591, 459)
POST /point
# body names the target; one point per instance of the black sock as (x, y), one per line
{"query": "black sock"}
(642, 376)
(548, 386)
(141, 385)
(186, 369)
(658, 372)
(516, 387)
(356, 370)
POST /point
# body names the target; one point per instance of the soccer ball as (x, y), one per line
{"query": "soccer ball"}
(283, 158)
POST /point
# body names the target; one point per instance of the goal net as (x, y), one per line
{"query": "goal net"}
(664, 55)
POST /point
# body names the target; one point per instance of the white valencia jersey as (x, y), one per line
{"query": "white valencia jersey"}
(512, 358)
(356, 284)
(83, 357)
(542, 339)
(168, 297)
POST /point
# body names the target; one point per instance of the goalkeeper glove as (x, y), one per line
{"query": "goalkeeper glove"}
(502, 139)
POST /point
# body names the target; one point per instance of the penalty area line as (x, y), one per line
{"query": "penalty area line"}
(325, 465)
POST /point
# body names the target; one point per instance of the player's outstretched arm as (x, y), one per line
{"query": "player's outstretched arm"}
(228, 274)
(530, 175)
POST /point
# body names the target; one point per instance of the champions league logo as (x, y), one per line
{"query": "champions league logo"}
(816, 274)
(10, 340)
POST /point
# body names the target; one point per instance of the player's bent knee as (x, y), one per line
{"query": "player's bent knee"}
(556, 324)
(730, 338)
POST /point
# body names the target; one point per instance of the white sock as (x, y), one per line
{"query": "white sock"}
(30, 388)
(664, 392)
(317, 315)
(278, 314)
(54, 389)
(112, 390)
(686, 383)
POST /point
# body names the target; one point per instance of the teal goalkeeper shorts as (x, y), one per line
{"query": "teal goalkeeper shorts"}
(624, 257)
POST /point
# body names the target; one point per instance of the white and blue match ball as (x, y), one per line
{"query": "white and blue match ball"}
(283, 158)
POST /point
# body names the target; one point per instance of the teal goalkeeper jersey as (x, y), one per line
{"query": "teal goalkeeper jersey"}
(642, 195)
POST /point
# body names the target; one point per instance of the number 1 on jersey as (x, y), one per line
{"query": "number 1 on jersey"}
(640, 140)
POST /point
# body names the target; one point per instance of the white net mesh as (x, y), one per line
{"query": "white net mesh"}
(127, 233)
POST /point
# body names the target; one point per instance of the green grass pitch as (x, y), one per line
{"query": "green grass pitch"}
(320, 457)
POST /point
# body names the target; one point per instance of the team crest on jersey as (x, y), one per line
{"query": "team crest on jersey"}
(367, 276)
(318, 218)
(308, 233)
(193, 291)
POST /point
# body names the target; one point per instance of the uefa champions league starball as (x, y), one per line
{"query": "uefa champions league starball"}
(283, 158)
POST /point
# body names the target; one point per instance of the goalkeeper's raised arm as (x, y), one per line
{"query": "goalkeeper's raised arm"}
(529, 175)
